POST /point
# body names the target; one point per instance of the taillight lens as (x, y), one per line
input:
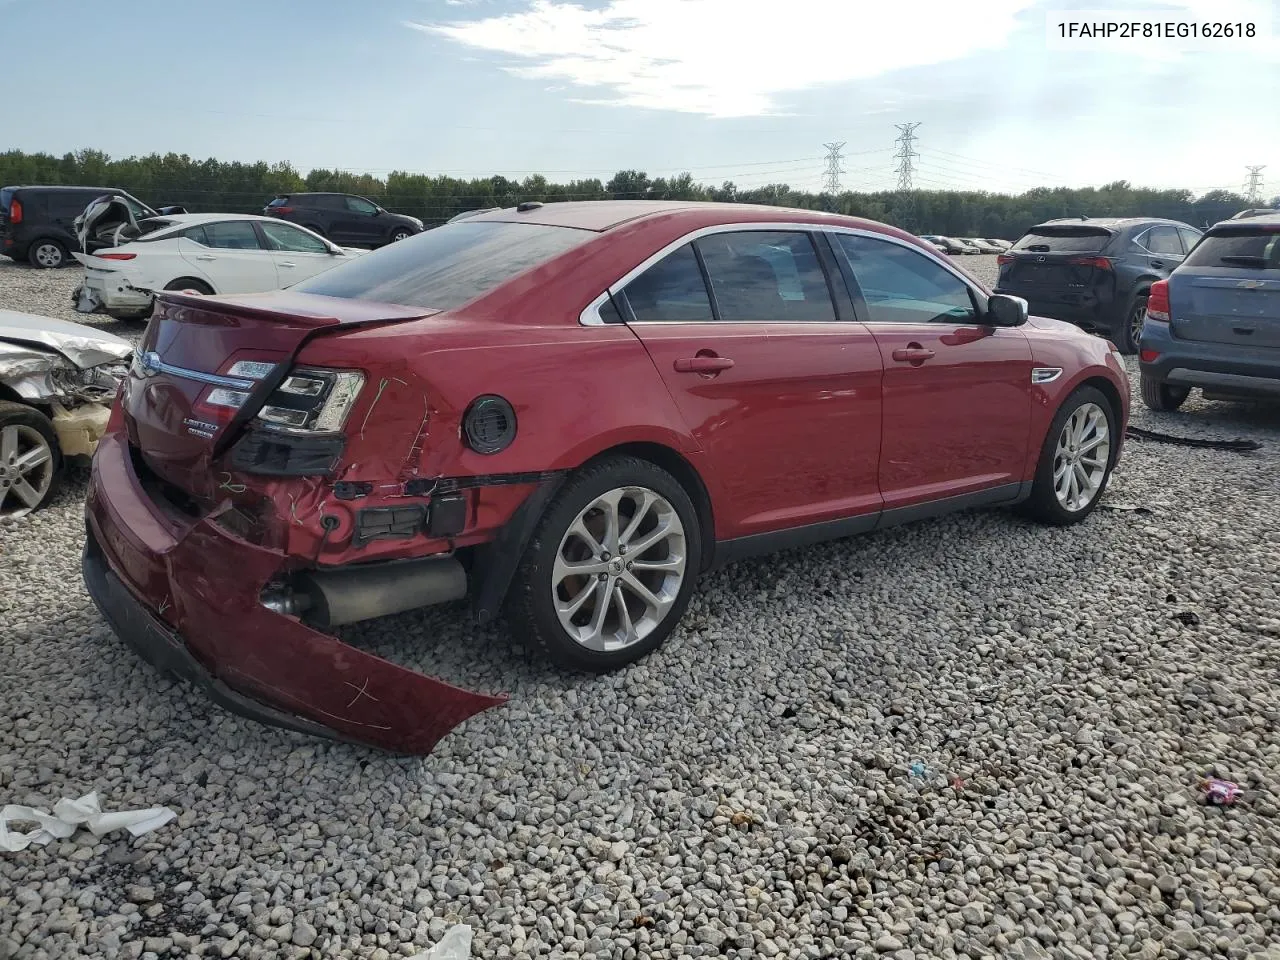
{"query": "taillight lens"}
(312, 400)
(1158, 302)
(15, 211)
(1101, 263)
(1004, 258)
(280, 209)
(115, 256)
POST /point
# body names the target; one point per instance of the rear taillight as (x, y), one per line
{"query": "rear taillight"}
(312, 400)
(1004, 258)
(15, 211)
(1101, 263)
(280, 209)
(115, 256)
(1158, 302)
(1149, 356)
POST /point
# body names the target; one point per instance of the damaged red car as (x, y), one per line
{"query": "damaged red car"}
(567, 413)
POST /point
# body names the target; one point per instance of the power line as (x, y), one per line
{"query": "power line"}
(1253, 186)
(831, 176)
(905, 154)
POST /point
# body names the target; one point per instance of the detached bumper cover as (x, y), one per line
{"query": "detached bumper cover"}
(188, 600)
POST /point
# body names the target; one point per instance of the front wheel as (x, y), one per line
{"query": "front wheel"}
(610, 569)
(401, 234)
(29, 460)
(1075, 461)
(1162, 397)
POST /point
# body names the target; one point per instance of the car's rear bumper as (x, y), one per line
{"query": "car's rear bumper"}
(1217, 368)
(113, 296)
(187, 596)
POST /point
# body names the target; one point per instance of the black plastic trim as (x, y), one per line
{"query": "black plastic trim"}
(287, 455)
(496, 561)
(388, 523)
(992, 496)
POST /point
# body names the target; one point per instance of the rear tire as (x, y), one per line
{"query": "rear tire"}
(1162, 397)
(190, 283)
(30, 460)
(1131, 336)
(47, 254)
(617, 502)
(1072, 474)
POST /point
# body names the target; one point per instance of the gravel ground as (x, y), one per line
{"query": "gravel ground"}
(969, 737)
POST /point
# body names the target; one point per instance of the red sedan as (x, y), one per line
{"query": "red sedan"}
(567, 412)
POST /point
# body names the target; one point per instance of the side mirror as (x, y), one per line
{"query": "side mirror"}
(1006, 311)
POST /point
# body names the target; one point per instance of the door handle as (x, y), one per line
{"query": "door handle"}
(205, 256)
(286, 263)
(913, 353)
(703, 364)
(1158, 264)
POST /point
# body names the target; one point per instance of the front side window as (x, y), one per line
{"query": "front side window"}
(364, 207)
(672, 290)
(767, 276)
(281, 236)
(231, 235)
(901, 285)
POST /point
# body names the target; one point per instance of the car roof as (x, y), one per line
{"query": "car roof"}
(192, 219)
(602, 215)
(66, 187)
(1269, 218)
(1111, 222)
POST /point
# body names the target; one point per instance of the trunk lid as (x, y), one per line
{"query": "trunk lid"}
(1228, 290)
(192, 347)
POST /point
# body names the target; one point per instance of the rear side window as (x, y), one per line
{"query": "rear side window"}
(231, 235)
(1063, 240)
(760, 276)
(281, 236)
(196, 234)
(448, 266)
(1162, 240)
(1189, 238)
(671, 291)
(1258, 248)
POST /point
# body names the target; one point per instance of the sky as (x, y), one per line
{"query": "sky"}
(742, 90)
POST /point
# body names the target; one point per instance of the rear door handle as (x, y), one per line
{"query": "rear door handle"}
(1158, 264)
(702, 364)
(913, 353)
(286, 263)
(205, 256)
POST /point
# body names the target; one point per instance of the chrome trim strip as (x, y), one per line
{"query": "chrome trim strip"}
(152, 364)
(590, 317)
(1045, 374)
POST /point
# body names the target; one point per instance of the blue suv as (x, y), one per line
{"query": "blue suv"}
(1215, 323)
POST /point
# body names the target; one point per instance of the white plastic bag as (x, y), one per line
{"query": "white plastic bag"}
(68, 815)
(454, 945)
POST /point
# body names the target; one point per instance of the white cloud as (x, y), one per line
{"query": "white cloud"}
(728, 58)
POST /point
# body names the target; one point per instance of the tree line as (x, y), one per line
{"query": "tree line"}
(213, 185)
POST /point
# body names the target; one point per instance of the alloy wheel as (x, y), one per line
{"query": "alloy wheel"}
(619, 568)
(48, 255)
(26, 469)
(1136, 321)
(1081, 457)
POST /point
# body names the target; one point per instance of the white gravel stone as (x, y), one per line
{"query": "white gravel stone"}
(746, 791)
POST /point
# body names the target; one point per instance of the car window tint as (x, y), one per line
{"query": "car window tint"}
(196, 234)
(759, 275)
(231, 235)
(1163, 240)
(281, 236)
(448, 266)
(901, 285)
(608, 312)
(1256, 248)
(1189, 237)
(1063, 240)
(356, 205)
(671, 290)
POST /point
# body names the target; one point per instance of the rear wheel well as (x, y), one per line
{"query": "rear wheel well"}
(189, 283)
(680, 468)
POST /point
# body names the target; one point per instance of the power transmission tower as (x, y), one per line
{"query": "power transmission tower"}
(831, 178)
(905, 154)
(1253, 186)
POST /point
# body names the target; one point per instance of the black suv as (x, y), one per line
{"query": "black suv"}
(37, 223)
(345, 219)
(1095, 272)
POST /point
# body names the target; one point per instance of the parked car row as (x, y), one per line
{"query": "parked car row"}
(965, 245)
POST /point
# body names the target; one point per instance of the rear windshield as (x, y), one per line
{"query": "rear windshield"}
(278, 202)
(448, 266)
(1259, 248)
(1063, 240)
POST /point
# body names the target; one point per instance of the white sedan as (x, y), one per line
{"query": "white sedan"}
(207, 252)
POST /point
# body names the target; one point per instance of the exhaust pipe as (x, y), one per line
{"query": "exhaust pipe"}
(351, 594)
